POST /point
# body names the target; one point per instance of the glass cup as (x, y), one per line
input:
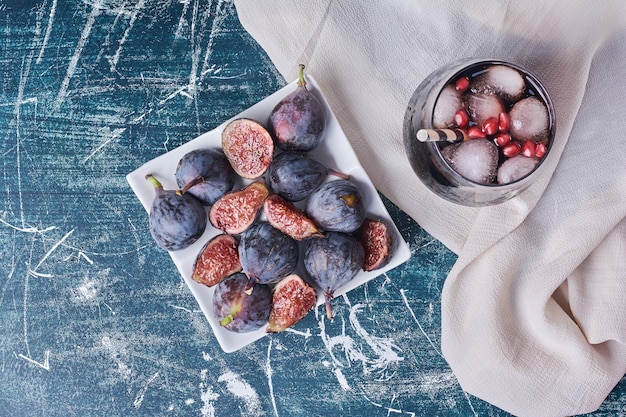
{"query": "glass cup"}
(490, 111)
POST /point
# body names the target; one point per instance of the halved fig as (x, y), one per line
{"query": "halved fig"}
(235, 211)
(288, 218)
(377, 242)
(217, 260)
(248, 146)
(292, 299)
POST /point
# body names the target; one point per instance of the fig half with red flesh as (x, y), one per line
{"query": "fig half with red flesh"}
(234, 212)
(377, 242)
(292, 299)
(217, 260)
(288, 218)
(248, 146)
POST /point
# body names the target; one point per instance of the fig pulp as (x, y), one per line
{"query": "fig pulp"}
(295, 176)
(235, 211)
(239, 310)
(292, 299)
(248, 147)
(218, 259)
(333, 262)
(176, 221)
(267, 254)
(377, 242)
(206, 174)
(298, 121)
(337, 206)
(288, 218)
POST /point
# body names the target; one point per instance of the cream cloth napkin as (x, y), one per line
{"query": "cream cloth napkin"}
(534, 310)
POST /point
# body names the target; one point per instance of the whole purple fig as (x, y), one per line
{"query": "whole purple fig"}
(297, 122)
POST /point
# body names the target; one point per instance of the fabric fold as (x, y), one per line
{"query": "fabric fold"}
(533, 311)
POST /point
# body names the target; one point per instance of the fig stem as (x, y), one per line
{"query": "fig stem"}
(197, 180)
(331, 171)
(301, 80)
(154, 181)
(329, 308)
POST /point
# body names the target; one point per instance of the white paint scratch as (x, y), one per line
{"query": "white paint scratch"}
(46, 360)
(28, 229)
(244, 391)
(46, 37)
(140, 395)
(52, 249)
(71, 68)
(181, 20)
(269, 372)
(406, 303)
(343, 382)
(133, 18)
(115, 134)
(306, 334)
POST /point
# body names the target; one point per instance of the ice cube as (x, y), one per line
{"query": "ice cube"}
(530, 120)
(448, 103)
(475, 159)
(501, 80)
(515, 168)
(480, 107)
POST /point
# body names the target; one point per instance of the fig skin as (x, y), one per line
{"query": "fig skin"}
(294, 175)
(337, 206)
(235, 211)
(241, 307)
(206, 174)
(176, 221)
(332, 262)
(218, 259)
(267, 254)
(248, 146)
(289, 219)
(292, 299)
(297, 122)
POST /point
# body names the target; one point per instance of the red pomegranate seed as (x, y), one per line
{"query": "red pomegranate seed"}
(474, 132)
(461, 118)
(540, 149)
(511, 149)
(504, 122)
(502, 139)
(490, 126)
(528, 148)
(462, 84)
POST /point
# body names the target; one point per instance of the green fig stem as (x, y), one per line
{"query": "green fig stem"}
(154, 181)
(331, 171)
(227, 320)
(301, 80)
(230, 316)
(197, 180)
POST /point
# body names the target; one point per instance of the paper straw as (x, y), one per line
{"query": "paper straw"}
(439, 135)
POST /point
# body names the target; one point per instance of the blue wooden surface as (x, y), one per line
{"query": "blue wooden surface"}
(94, 318)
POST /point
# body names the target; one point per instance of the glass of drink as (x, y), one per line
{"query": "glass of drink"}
(477, 131)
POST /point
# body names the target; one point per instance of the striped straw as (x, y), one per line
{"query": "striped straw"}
(438, 135)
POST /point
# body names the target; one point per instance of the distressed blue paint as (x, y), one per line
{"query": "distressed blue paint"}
(94, 319)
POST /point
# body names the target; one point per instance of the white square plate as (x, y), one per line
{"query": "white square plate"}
(335, 151)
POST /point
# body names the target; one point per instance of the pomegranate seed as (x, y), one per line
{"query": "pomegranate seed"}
(474, 132)
(461, 118)
(540, 150)
(511, 149)
(528, 148)
(462, 84)
(502, 139)
(490, 126)
(504, 122)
